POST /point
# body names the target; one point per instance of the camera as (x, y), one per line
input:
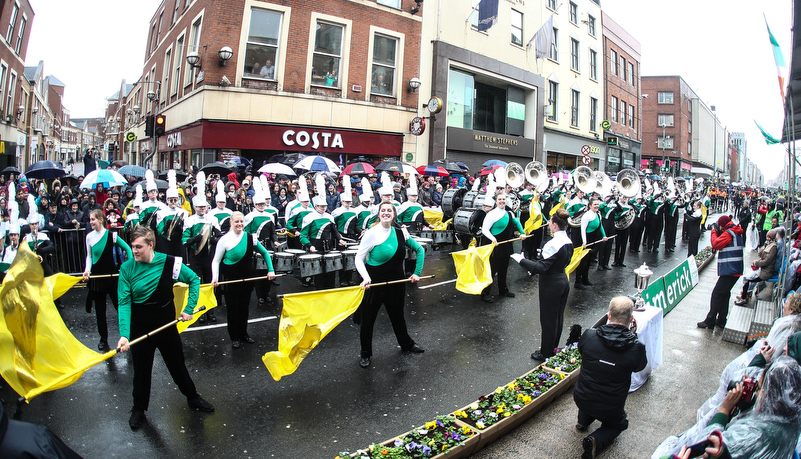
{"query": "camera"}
(712, 226)
(750, 388)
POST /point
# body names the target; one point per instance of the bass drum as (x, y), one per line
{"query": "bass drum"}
(452, 201)
(468, 221)
(473, 199)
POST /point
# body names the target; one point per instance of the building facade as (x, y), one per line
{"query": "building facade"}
(622, 104)
(16, 18)
(668, 129)
(259, 78)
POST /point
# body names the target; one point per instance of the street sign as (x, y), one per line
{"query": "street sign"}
(585, 150)
(130, 137)
(409, 156)
(605, 125)
(586, 160)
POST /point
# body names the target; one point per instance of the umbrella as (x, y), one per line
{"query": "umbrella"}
(132, 170)
(68, 178)
(391, 166)
(494, 162)
(462, 166)
(409, 169)
(160, 184)
(179, 175)
(11, 170)
(103, 164)
(654, 177)
(119, 163)
(489, 170)
(433, 169)
(216, 168)
(239, 161)
(316, 163)
(450, 166)
(358, 169)
(45, 170)
(276, 168)
(286, 158)
(107, 177)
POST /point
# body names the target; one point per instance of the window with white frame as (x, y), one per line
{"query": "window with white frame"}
(3, 77)
(631, 116)
(593, 114)
(664, 142)
(665, 119)
(574, 107)
(623, 112)
(613, 109)
(161, 22)
(593, 65)
(553, 99)
(153, 38)
(474, 14)
(613, 61)
(631, 73)
(665, 97)
(20, 34)
(327, 57)
(623, 68)
(554, 52)
(12, 23)
(384, 71)
(194, 41)
(166, 75)
(179, 58)
(261, 52)
(392, 3)
(551, 5)
(591, 25)
(12, 82)
(574, 55)
(517, 28)
(690, 148)
(573, 13)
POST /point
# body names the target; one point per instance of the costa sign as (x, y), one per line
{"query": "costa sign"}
(316, 139)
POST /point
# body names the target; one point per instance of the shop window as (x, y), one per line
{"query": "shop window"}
(261, 52)
(460, 100)
(327, 58)
(384, 61)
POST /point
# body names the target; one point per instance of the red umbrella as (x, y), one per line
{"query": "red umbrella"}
(358, 169)
(489, 170)
(433, 170)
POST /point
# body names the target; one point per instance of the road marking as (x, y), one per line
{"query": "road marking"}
(438, 284)
(209, 327)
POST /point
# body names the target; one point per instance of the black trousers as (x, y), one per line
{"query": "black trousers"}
(532, 243)
(621, 241)
(610, 428)
(392, 297)
(719, 303)
(584, 266)
(553, 299)
(654, 231)
(499, 263)
(98, 297)
(692, 244)
(635, 234)
(671, 227)
(237, 303)
(172, 351)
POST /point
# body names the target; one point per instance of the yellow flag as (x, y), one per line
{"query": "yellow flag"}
(37, 351)
(433, 217)
(473, 269)
(534, 221)
(704, 213)
(305, 320)
(558, 206)
(578, 254)
(205, 298)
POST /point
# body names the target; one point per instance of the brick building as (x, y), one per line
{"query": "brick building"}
(16, 17)
(622, 108)
(258, 78)
(667, 124)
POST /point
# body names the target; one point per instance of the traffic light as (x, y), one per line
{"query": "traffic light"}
(160, 125)
(149, 126)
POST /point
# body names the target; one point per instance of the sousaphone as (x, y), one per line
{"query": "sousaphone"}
(584, 179)
(515, 175)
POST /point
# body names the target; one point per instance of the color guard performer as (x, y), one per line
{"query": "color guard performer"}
(499, 226)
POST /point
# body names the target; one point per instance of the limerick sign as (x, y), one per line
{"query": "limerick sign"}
(666, 291)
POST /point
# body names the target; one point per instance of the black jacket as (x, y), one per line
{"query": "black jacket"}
(610, 354)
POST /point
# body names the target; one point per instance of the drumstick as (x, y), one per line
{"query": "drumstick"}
(371, 285)
(245, 280)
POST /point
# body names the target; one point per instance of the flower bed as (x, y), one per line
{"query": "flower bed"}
(566, 361)
(704, 256)
(444, 435)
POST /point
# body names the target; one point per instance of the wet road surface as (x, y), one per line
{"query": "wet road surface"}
(329, 404)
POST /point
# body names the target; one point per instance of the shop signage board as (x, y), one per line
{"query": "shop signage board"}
(666, 291)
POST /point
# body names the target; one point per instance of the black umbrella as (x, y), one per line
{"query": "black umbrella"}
(11, 170)
(286, 158)
(45, 170)
(160, 184)
(68, 178)
(179, 175)
(216, 168)
(390, 166)
(449, 166)
(119, 163)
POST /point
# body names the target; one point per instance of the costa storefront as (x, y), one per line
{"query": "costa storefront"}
(207, 141)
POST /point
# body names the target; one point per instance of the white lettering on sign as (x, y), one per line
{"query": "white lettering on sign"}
(174, 140)
(317, 139)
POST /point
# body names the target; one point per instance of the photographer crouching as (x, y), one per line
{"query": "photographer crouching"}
(728, 240)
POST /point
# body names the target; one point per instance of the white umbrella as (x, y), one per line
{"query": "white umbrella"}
(317, 163)
(108, 177)
(277, 168)
(409, 169)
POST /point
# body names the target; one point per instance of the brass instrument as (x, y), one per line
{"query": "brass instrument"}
(625, 220)
(603, 184)
(177, 221)
(628, 182)
(536, 174)
(204, 239)
(575, 220)
(584, 179)
(513, 201)
(514, 175)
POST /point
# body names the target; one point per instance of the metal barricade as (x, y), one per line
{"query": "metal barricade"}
(70, 253)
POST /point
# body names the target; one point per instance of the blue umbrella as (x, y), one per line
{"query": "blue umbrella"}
(494, 162)
(132, 170)
(654, 177)
(45, 170)
(107, 177)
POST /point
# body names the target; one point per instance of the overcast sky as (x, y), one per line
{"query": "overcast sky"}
(719, 47)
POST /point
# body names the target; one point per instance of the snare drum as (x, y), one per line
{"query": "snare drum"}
(426, 243)
(284, 262)
(295, 254)
(261, 264)
(349, 260)
(466, 221)
(452, 200)
(441, 237)
(472, 200)
(310, 265)
(333, 261)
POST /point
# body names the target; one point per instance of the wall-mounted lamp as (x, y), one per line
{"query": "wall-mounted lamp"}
(129, 112)
(136, 109)
(34, 109)
(414, 83)
(225, 53)
(193, 59)
(20, 109)
(151, 95)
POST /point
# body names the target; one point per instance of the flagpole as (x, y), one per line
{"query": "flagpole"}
(331, 290)
(163, 327)
(600, 240)
(244, 280)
